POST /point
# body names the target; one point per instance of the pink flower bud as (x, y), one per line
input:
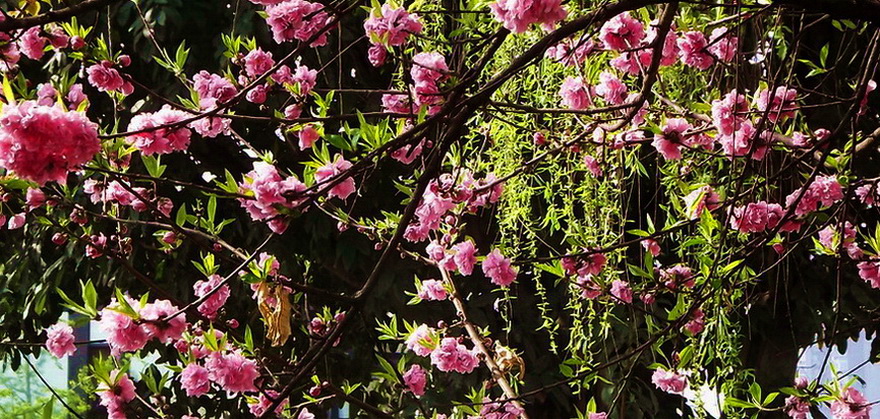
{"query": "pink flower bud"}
(59, 238)
(539, 138)
(77, 43)
(170, 237)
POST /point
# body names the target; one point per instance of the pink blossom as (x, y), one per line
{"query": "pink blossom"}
(9, 53)
(701, 199)
(867, 193)
(35, 198)
(264, 402)
(211, 127)
(517, 15)
(75, 96)
(59, 340)
(298, 19)
(465, 257)
(498, 269)
(96, 246)
(415, 379)
(870, 272)
(389, 27)
(851, 404)
(632, 62)
(571, 52)
(24, 150)
(269, 189)
(678, 275)
(293, 111)
(673, 136)
(307, 136)
(422, 341)
(232, 372)
(725, 48)
(305, 78)
(796, 407)
(593, 165)
(194, 379)
(622, 32)
(621, 291)
(696, 323)
(215, 302)
(258, 62)
(831, 239)
(591, 264)
(46, 94)
(377, 55)
(588, 287)
(575, 94)
(669, 381)
(257, 94)
(651, 247)
(692, 47)
(729, 112)
(453, 356)
(429, 68)
(822, 192)
(611, 88)
(499, 410)
(756, 217)
(781, 106)
(213, 86)
(331, 172)
(32, 44)
(154, 321)
(436, 251)
(408, 153)
(123, 333)
(598, 415)
(669, 55)
(432, 289)
(105, 78)
(162, 140)
(397, 103)
(16, 221)
(115, 396)
(58, 37)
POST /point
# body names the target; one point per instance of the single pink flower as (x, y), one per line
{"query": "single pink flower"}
(453, 356)
(332, 170)
(422, 341)
(415, 379)
(59, 340)
(669, 381)
(498, 269)
(432, 290)
(194, 379)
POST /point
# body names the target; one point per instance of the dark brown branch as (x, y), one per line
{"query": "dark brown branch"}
(54, 15)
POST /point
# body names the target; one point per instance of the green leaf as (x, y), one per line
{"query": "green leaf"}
(180, 218)
(48, 408)
(90, 298)
(7, 91)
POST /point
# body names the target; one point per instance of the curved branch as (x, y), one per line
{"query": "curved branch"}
(53, 15)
